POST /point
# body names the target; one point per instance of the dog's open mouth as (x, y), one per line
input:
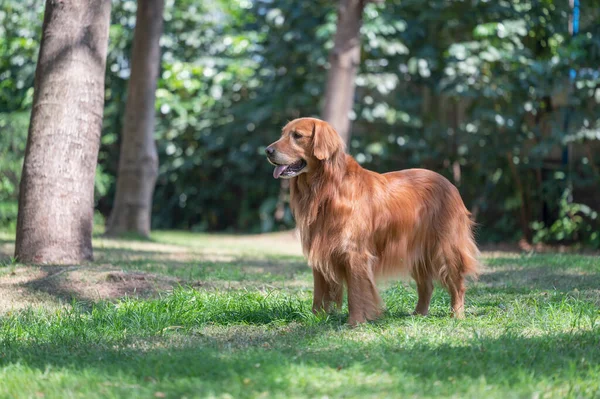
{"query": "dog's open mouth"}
(289, 170)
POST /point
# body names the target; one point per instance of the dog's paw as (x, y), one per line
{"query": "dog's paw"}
(458, 315)
(420, 313)
(355, 322)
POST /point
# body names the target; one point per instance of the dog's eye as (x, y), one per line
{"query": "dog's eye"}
(297, 136)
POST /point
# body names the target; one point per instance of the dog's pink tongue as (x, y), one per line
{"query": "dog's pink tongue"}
(279, 170)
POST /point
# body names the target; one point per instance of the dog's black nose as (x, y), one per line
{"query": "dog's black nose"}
(269, 150)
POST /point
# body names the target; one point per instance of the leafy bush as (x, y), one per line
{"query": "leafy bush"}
(12, 148)
(575, 223)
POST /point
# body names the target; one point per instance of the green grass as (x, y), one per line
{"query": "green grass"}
(532, 330)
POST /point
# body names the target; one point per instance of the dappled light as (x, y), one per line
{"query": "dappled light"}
(299, 199)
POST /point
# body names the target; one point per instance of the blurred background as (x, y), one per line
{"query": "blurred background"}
(501, 97)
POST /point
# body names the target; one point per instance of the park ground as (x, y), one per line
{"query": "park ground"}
(197, 315)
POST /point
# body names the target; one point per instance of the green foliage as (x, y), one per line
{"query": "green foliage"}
(12, 147)
(19, 40)
(8, 214)
(572, 225)
(490, 95)
(479, 92)
(222, 101)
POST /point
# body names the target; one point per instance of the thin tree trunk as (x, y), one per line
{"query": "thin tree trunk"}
(56, 199)
(524, 214)
(138, 165)
(344, 59)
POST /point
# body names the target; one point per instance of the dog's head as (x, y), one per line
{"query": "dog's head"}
(304, 145)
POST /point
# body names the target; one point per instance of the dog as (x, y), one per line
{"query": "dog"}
(357, 226)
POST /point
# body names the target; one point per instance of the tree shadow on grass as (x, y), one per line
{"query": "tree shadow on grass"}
(542, 278)
(566, 278)
(209, 365)
(147, 277)
(87, 287)
(195, 362)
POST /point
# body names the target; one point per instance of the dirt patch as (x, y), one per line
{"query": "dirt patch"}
(53, 287)
(84, 284)
(15, 296)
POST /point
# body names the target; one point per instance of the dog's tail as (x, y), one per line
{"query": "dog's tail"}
(459, 254)
(468, 253)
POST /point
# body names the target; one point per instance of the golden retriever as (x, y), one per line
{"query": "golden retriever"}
(357, 225)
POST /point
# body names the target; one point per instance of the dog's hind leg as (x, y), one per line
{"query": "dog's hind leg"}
(453, 278)
(461, 260)
(457, 296)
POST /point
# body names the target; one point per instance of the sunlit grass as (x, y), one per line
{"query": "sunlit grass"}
(532, 330)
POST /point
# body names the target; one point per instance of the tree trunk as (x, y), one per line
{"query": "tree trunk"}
(344, 59)
(138, 164)
(56, 200)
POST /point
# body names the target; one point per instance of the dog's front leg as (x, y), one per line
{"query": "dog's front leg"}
(364, 302)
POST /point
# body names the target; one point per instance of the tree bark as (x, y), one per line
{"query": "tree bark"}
(138, 164)
(344, 59)
(56, 199)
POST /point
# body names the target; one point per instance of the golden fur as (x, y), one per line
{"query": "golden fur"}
(357, 225)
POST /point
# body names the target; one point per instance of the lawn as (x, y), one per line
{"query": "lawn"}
(195, 315)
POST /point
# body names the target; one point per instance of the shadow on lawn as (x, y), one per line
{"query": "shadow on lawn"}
(210, 367)
(147, 277)
(87, 287)
(581, 278)
(542, 278)
(244, 365)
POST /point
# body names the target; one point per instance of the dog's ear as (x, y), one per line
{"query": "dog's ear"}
(326, 141)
